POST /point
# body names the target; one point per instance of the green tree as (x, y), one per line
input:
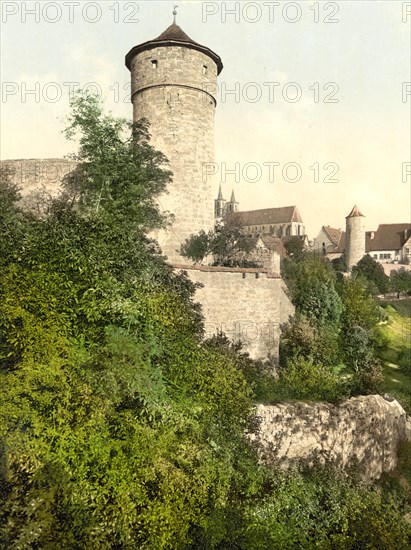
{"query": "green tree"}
(311, 281)
(295, 247)
(301, 339)
(400, 280)
(339, 264)
(227, 243)
(197, 247)
(359, 336)
(322, 509)
(359, 307)
(119, 428)
(11, 219)
(373, 273)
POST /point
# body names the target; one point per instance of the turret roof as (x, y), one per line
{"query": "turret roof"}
(173, 36)
(174, 32)
(355, 212)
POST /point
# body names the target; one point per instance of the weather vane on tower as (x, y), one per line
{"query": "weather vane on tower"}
(175, 14)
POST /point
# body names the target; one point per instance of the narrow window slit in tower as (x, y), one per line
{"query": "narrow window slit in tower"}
(204, 69)
(154, 63)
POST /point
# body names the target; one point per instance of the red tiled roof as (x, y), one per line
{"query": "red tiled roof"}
(389, 236)
(341, 244)
(284, 214)
(333, 234)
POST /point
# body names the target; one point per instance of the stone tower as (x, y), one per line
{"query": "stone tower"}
(355, 238)
(219, 205)
(173, 85)
(232, 205)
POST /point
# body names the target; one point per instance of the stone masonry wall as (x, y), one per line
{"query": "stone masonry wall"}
(247, 304)
(35, 175)
(177, 99)
(355, 240)
(362, 431)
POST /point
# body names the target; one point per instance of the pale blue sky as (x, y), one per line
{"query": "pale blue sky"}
(365, 53)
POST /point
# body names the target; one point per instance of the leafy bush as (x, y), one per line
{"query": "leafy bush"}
(373, 272)
(303, 379)
(404, 361)
(301, 338)
(320, 509)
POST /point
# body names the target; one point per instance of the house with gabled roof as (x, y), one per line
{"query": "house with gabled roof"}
(391, 242)
(329, 241)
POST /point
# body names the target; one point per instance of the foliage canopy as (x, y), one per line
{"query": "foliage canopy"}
(119, 427)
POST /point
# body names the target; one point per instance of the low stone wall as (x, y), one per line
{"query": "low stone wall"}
(247, 304)
(363, 432)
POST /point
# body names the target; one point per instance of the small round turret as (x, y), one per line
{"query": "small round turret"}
(354, 238)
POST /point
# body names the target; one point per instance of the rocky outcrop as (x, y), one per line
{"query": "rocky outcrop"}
(362, 432)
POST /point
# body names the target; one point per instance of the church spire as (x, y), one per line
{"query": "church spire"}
(220, 194)
(232, 205)
(219, 205)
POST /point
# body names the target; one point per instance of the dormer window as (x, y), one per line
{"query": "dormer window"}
(154, 63)
(205, 69)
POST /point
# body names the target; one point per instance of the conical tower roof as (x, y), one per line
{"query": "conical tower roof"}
(355, 212)
(174, 32)
(173, 36)
(220, 194)
(232, 197)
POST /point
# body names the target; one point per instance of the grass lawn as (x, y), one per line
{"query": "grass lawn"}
(398, 332)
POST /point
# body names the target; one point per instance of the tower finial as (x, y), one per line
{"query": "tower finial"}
(175, 14)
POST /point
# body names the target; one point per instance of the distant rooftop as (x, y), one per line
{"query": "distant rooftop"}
(266, 216)
(389, 236)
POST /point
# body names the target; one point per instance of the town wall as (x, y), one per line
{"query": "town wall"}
(31, 175)
(361, 432)
(247, 304)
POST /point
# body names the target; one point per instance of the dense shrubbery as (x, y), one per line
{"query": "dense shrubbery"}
(119, 428)
(226, 244)
(322, 510)
(335, 331)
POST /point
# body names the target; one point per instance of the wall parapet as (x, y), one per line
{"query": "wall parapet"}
(248, 305)
(223, 269)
